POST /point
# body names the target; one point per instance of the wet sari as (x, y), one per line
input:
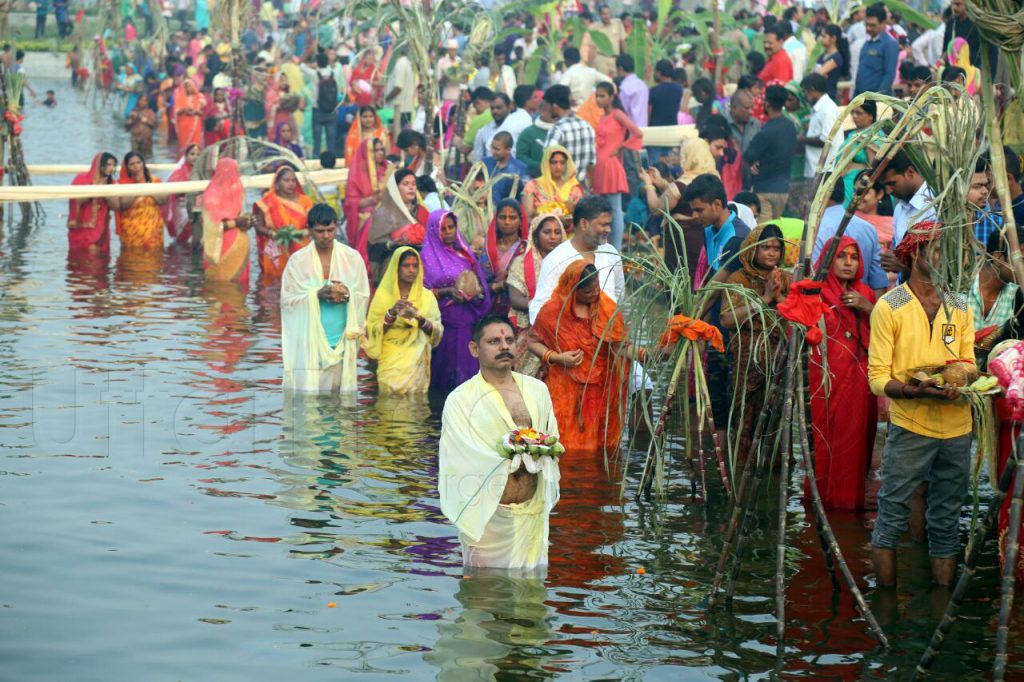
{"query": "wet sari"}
(225, 247)
(403, 352)
(89, 219)
(365, 179)
(175, 211)
(452, 363)
(280, 212)
(589, 400)
(141, 225)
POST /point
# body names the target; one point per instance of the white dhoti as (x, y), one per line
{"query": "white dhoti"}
(472, 476)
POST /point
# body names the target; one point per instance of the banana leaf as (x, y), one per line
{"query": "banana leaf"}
(604, 45)
(910, 14)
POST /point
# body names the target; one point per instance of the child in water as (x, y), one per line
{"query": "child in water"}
(51, 99)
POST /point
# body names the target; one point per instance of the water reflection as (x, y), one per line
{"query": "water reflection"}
(503, 630)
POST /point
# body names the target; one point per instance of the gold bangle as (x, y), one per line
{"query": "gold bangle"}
(547, 356)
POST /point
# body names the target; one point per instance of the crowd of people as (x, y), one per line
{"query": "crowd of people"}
(423, 258)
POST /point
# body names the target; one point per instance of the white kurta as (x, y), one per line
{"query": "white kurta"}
(472, 476)
(310, 363)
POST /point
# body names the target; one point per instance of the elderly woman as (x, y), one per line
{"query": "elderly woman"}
(399, 220)
(453, 273)
(280, 222)
(546, 233)
(751, 315)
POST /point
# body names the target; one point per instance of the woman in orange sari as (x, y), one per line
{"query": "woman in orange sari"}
(581, 336)
(366, 126)
(366, 177)
(188, 114)
(225, 237)
(284, 205)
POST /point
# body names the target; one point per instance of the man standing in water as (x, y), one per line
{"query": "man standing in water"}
(916, 325)
(324, 296)
(501, 507)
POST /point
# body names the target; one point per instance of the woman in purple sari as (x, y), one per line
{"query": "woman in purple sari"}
(452, 272)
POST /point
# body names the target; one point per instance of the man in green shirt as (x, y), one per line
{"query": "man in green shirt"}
(481, 109)
(530, 145)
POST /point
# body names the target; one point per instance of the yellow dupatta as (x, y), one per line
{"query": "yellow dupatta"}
(403, 351)
(547, 183)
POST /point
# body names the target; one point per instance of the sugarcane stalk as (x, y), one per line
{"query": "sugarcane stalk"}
(742, 497)
(827, 536)
(646, 479)
(780, 544)
(716, 441)
(1009, 579)
(998, 158)
(982, 533)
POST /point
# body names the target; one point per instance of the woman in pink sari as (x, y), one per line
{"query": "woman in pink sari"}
(225, 236)
(176, 215)
(363, 193)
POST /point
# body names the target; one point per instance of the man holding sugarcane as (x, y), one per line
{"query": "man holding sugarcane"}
(930, 427)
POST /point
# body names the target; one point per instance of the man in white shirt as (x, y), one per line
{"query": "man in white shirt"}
(401, 90)
(914, 197)
(824, 114)
(797, 52)
(528, 42)
(580, 78)
(593, 220)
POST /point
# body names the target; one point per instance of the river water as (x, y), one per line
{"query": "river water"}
(169, 514)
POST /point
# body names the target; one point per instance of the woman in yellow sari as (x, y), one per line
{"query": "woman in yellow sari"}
(140, 224)
(403, 325)
(366, 126)
(556, 186)
(284, 205)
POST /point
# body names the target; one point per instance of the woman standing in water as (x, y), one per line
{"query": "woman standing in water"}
(453, 274)
(283, 207)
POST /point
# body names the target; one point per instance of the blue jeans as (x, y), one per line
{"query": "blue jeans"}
(327, 124)
(908, 460)
(618, 220)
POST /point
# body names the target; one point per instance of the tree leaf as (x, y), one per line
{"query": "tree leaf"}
(604, 45)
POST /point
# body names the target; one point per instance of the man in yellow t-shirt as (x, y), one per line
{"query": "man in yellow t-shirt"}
(929, 440)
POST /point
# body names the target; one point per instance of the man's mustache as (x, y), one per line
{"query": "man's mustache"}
(502, 356)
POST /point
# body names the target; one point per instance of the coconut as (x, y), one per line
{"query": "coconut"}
(960, 373)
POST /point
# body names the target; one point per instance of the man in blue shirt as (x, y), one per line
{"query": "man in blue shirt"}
(860, 230)
(501, 163)
(877, 68)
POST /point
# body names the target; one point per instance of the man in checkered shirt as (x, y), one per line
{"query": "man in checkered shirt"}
(570, 131)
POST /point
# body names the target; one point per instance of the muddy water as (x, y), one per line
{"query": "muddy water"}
(169, 514)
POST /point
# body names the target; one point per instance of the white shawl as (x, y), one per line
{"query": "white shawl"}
(305, 351)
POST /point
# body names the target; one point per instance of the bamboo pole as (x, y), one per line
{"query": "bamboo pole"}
(828, 537)
(982, 534)
(1009, 579)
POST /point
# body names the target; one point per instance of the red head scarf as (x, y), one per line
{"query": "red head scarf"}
(850, 320)
(920, 233)
(492, 233)
(224, 197)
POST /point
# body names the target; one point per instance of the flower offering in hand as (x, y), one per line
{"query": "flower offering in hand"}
(523, 445)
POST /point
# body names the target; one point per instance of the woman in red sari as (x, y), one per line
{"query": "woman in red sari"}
(366, 177)
(225, 237)
(188, 114)
(366, 126)
(89, 219)
(176, 215)
(284, 205)
(363, 83)
(845, 412)
(581, 336)
(506, 238)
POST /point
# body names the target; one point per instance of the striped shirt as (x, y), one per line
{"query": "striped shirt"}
(576, 135)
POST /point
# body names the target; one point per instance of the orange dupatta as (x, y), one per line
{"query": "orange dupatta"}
(588, 399)
(355, 137)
